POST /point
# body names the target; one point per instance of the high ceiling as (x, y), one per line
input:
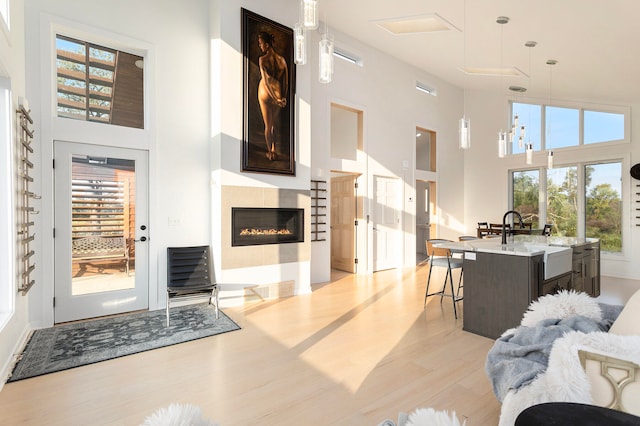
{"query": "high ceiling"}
(595, 42)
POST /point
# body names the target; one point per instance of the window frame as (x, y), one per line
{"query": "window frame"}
(581, 107)
(625, 185)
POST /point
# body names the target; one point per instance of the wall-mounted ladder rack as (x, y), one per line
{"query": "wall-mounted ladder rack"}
(318, 210)
(26, 236)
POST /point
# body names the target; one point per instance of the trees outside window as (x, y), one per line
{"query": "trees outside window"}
(578, 200)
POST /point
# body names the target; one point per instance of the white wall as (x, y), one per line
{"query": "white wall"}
(226, 137)
(384, 89)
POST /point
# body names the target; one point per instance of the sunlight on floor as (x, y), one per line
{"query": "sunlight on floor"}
(370, 307)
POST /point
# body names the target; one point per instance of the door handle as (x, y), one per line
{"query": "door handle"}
(143, 239)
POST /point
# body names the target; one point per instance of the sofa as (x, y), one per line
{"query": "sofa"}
(569, 348)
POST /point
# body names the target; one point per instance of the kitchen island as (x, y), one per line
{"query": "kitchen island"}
(500, 281)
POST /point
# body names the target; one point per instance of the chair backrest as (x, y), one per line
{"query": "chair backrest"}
(483, 229)
(546, 231)
(526, 225)
(189, 266)
(499, 226)
(437, 251)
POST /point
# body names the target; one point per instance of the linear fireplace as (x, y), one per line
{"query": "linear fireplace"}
(257, 226)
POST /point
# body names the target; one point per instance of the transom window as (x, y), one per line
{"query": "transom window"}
(97, 83)
(565, 126)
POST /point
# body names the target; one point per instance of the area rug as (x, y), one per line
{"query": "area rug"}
(73, 345)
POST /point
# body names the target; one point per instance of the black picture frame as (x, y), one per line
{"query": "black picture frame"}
(276, 156)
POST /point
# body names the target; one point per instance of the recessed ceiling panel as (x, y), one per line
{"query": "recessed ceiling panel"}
(416, 24)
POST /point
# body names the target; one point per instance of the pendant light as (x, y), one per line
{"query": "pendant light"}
(326, 58)
(530, 45)
(464, 133)
(529, 154)
(550, 62)
(502, 144)
(300, 44)
(309, 14)
(502, 136)
(514, 126)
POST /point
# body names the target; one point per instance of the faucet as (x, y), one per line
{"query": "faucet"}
(504, 224)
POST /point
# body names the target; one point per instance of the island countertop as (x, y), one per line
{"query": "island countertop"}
(519, 245)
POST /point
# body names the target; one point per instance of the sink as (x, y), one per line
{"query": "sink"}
(557, 260)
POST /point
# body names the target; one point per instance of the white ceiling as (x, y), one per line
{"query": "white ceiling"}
(596, 43)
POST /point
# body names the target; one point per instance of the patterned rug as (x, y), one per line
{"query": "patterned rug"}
(73, 345)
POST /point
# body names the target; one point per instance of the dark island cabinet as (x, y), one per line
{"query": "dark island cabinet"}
(585, 271)
(497, 291)
(498, 288)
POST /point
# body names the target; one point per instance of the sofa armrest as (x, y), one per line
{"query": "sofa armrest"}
(615, 382)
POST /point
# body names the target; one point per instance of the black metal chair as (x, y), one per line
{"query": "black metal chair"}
(546, 231)
(189, 275)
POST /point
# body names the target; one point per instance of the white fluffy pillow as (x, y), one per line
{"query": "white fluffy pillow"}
(178, 415)
(431, 417)
(563, 304)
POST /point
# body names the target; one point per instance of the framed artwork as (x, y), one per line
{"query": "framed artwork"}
(268, 96)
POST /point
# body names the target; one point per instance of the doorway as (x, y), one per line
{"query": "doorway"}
(387, 236)
(425, 215)
(344, 223)
(101, 233)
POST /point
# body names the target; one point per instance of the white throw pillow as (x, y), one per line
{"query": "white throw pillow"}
(563, 304)
(628, 322)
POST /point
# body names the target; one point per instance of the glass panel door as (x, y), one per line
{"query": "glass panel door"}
(101, 231)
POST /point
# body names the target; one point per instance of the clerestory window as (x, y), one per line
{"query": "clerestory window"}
(100, 84)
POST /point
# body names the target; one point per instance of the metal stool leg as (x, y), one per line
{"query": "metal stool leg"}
(426, 293)
(453, 295)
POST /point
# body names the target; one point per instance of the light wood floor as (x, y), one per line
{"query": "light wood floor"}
(354, 352)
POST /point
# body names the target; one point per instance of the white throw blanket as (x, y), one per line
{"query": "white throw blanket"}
(564, 380)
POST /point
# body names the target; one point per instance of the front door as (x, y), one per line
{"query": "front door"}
(101, 231)
(386, 223)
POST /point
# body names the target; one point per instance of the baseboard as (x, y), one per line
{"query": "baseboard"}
(8, 365)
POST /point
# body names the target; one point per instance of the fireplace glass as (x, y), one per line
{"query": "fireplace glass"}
(257, 226)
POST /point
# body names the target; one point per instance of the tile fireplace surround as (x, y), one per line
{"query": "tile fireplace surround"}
(270, 254)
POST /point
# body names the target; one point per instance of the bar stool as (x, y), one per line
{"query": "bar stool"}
(442, 257)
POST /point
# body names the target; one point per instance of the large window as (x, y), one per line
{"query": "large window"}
(603, 204)
(577, 200)
(526, 194)
(562, 200)
(96, 83)
(7, 231)
(565, 126)
(603, 126)
(562, 127)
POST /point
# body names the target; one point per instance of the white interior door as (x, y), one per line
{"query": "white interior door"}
(386, 223)
(101, 231)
